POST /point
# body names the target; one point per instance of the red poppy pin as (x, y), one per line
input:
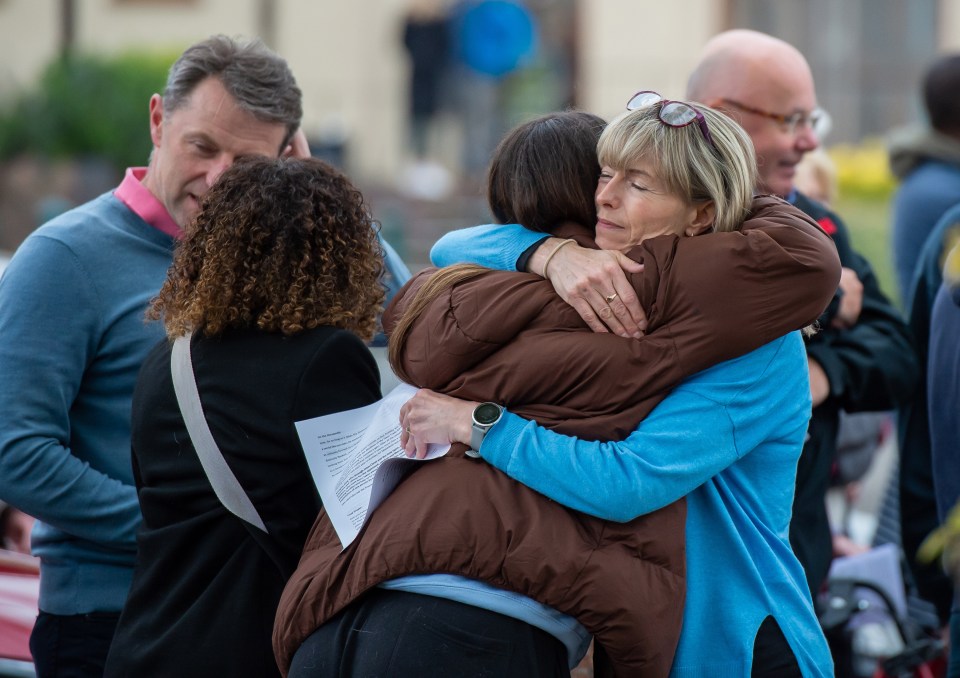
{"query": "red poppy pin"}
(826, 223)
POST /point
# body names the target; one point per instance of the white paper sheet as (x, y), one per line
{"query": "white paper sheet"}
(356, 459)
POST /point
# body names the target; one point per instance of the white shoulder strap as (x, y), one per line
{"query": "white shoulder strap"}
(225, 484)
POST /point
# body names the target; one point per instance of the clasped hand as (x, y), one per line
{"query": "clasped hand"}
(594, 282)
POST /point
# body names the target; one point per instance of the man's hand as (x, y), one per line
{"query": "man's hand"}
(819, 383)
(298, 146)
(430, 417)
(844, 546)
(851, 301)
(15, 526)
(594, 283)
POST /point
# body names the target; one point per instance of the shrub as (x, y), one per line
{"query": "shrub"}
(87, 105)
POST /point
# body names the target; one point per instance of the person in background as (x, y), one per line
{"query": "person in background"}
(15, 526)
(918, 480)
(943, 395)
(426, 37)
(925, 218)
(492, 39)
(926, 160)
(816, 177)
(863, 358)
(275, 286)
(427, 40)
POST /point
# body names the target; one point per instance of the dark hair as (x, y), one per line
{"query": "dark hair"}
(259, 79)
(545, 172)
(941, 94)
(281, 245)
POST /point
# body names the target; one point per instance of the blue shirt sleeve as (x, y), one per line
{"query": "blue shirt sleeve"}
(664, 459)
(697, 431)
(496, 246)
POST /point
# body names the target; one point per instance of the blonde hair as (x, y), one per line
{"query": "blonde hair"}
(816, 176)
(690, 167)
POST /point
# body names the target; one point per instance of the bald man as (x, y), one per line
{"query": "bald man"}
(766, 85)
(862, 359)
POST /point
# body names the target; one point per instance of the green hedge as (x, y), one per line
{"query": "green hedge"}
(87, 105)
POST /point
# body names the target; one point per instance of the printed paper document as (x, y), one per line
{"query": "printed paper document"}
(356, 459)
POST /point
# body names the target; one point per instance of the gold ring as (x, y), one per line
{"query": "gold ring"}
(611, 297)
(407, 430)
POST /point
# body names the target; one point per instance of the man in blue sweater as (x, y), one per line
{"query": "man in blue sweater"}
(71, 316)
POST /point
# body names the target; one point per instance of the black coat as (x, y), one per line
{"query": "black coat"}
(871, 366)
(206, 585)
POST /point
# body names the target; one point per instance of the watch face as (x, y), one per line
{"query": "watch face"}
(486, 413)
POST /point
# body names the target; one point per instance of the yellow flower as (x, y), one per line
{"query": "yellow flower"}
(951, 265)
(944, 543)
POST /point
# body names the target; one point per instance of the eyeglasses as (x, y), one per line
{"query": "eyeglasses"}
(817, 121)
(672, 113)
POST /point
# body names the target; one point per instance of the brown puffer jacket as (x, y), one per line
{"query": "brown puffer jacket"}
(507, 337)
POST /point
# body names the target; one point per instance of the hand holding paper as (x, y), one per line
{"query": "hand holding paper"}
(429, 417)
(356, 459)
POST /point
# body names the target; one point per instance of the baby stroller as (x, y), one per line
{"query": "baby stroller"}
(863, 615)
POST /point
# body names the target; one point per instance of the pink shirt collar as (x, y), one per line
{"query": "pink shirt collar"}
(132, 193)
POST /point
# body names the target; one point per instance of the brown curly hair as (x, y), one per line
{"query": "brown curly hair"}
(282, 245)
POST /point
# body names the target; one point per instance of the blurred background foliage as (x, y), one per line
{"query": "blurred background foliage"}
(865, 188)
(869, 222)
(863, 170)
(85, 105)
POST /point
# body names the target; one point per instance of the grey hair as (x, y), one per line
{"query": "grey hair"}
(688, 165)
(258, 78)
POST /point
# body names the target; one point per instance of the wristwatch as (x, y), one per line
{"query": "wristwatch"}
(485, 415)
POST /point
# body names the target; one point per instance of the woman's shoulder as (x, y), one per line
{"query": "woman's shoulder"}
(250, 347)
(772, 365)
(315, 363)
(784, 352)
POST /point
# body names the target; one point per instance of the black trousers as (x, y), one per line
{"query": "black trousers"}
(772, 656)
(395, 633)
(72, 646)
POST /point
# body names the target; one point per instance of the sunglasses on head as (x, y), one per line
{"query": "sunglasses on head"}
(672, 113)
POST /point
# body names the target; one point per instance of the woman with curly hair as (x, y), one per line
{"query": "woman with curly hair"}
(276, 283)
